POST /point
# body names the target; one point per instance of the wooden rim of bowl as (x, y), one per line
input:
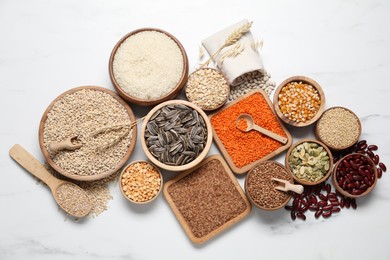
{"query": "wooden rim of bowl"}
(345, 193)
(198, 159)
(227, 83)
(304, 182)
(306, 80)
(142, 102)
(140, 202)
(331, 146)
(87, 177)
(291, 180)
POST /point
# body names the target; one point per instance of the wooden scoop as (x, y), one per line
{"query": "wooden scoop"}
(66, 144)
(252, 126)
(76, 194)
(287, 186)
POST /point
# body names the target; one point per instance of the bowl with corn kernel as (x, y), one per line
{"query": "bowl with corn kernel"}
(299, 101)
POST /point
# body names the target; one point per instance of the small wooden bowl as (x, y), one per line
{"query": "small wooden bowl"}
(90, 177)
(346, 193)
(121, 187)
(191, 164)
(291, 180)
(304, 182)
(228, 89)
(305, 80)
(334, 148)
(142, 102)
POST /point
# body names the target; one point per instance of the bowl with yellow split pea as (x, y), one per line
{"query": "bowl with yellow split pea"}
(140, 182)
(299, 101)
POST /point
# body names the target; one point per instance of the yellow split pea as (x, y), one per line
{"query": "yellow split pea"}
(141, 182)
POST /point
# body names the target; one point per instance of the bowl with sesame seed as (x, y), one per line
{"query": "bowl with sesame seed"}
(299, 101)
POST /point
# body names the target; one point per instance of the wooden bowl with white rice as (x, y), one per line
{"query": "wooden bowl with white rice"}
(148, 66)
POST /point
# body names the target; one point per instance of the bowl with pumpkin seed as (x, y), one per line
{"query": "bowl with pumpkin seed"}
(176, 135)
(309, 162)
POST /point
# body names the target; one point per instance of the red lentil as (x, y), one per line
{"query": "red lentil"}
(246, 148)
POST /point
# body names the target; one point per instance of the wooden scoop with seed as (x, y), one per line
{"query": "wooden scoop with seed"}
(250, 125)
(69, 196)
(287, 186)
(67, 144)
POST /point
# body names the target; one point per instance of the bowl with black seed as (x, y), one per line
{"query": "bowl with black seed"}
(176, 135)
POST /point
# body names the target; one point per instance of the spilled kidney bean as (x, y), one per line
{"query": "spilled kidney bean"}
(360, 174)
(319, 199)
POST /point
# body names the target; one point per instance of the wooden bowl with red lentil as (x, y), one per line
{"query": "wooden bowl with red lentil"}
(127, 77)
(299, 101)
(260, 188)
(140, 182)
(302, 158)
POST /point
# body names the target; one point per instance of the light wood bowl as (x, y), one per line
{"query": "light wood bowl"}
(191, 164)
(304, 182)
(305, 80)
(225, 153)
(228, 89)
(121, 187)
(345, 193)
(225, 225)
(334, 147)
(89, 177)
(291, 180)
(142, 102)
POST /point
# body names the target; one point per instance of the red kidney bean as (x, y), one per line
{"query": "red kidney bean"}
(328, 187)
(335, 203)
(288, 207)
(341, 202)
(332, 195)
(373, 147)
(336, 209)
(322, 197)
(376, 159)
(322, 203)
(362, 142)
(304, 208)
(304, 202)
(333, 199)
(313, 207)
(301, 216)
(318, 213)
(382, 166)
(353, 204)
(327, 214)
(363, 146)
(347, 203)
(293, 216)
(313, 199)
(370, 153)
(296, 203)
(357, 177)
(327, 207)
(379, 173)
(356, 192)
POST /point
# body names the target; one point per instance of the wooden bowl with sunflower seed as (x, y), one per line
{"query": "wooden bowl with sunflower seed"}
(176, 135)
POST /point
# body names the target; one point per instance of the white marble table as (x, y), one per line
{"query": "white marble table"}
(48, 47)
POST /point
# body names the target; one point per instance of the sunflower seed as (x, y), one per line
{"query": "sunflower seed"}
(155, 115)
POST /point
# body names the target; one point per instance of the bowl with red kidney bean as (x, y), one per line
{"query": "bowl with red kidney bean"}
(355, 175)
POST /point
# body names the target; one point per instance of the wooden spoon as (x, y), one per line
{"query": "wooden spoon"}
(72, 199)
(66, 144)
(252, 126)
(284, 185)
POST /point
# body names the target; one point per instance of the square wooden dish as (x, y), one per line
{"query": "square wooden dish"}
(238, 135)
(210, 196)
